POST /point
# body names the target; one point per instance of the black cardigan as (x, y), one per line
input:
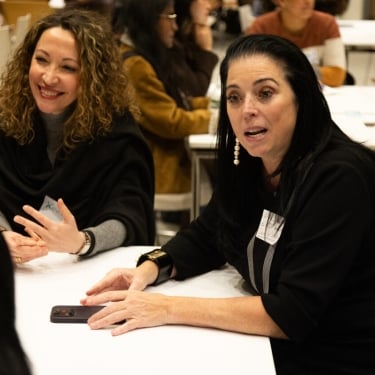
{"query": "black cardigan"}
(322, 275)
(111, 177)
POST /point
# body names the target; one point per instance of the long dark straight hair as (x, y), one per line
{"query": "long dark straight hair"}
(140, 19)
(313, 131)
(184, 20)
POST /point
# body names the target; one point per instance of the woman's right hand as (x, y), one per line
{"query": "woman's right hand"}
(24, 248)
(124, 279)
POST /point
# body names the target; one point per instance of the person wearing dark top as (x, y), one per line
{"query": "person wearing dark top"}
(192, 55)
(169, 114)
(13, 360)
(293, 212)
(76, 174)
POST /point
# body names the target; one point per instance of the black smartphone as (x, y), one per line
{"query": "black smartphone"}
(73, 313)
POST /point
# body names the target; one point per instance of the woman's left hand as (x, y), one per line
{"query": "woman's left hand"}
(138, 310)
(62, 236)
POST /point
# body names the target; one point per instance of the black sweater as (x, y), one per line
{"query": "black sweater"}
(111, 177)
(322, 276)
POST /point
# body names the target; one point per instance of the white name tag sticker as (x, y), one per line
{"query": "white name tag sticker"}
(49, 208)
(270, 227)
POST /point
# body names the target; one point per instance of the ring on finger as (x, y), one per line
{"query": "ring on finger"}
(18, 260)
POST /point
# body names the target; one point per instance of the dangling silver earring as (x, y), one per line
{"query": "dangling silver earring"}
(236, 160)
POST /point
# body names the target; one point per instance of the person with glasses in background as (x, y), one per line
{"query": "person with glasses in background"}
(169, 112)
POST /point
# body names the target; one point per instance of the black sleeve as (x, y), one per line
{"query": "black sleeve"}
(329, 245)
(194, 250)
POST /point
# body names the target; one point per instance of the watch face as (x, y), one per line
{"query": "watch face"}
(156, 254)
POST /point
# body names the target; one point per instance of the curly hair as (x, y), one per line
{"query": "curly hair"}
(104, 89)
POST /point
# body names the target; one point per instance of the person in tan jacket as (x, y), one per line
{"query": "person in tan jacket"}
(168, 115)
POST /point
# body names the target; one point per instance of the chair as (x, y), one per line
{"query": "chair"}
(178, 202)
(5, 49)
(21, 29)
(170, 203)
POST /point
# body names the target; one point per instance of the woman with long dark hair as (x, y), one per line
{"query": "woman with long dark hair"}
(293, 213)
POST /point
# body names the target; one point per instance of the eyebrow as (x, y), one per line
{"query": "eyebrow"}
(257, 82)
(71, 59)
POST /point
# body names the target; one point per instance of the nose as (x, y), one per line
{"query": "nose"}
(249, 107)
(50, 77)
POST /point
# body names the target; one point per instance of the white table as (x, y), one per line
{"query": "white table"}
(352, 108)
(62, 349)
(358, 34)
(352, 100)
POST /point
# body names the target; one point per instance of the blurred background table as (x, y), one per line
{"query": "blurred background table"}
(359, 39)
(358, 34)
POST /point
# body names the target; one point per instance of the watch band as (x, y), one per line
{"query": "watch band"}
(164, 262)
(87, 245)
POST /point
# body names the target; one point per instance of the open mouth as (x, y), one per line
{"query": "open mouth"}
(45, 93)
(254, 133)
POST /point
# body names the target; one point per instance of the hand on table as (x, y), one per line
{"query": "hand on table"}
(122, 286)
(138, 309)
(124, 279)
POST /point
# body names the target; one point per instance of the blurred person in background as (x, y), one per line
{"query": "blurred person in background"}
(103, 7)
(334, 7)
(193, 46)
(316, 33)
(169, 112)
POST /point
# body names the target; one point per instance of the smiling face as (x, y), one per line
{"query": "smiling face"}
(261, 107)
(54, 71)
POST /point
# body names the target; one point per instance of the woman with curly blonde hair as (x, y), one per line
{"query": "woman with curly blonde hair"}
(68, 139)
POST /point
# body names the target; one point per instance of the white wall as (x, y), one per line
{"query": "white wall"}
(355, 10)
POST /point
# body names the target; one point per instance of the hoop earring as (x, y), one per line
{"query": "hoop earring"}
(236, 153)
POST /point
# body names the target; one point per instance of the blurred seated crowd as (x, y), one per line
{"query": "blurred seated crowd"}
(258, 7)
